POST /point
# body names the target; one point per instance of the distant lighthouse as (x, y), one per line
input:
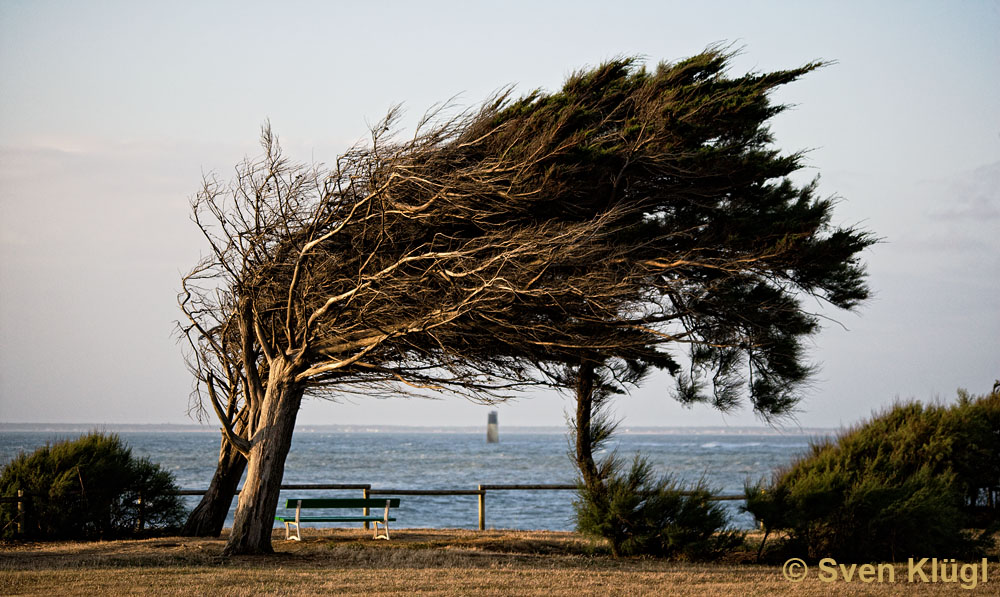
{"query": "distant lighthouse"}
(492, 430)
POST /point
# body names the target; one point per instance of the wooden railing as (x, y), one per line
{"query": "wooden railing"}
(23, 500)
(481, 491)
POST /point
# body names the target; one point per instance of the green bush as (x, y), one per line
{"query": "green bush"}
(915, 481)
(641, 515)
(90, 488)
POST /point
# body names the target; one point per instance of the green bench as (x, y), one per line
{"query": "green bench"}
(339, 503)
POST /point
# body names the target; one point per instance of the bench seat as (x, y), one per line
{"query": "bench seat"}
(338, 503)
(335, 519)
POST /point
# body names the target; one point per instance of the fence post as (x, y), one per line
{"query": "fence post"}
(482, 508)
(21, 524)
(140, 524)
(366, 495)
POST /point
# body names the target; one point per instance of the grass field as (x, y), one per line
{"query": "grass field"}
(430, 562)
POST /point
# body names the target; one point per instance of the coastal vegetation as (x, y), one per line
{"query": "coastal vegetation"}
(913, 480)
(89, 488)
(640, 514)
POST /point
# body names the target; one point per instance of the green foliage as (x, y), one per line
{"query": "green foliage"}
(910, 482)
(636, 512)
(641, 515)
(90, 488)
(687, 146)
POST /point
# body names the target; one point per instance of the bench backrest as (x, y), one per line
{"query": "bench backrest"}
(342, 502)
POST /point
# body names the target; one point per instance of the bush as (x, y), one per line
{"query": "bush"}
(639, 514)
(90, 488)
(911, 482)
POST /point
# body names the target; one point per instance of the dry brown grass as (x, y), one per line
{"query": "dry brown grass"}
(432, 562)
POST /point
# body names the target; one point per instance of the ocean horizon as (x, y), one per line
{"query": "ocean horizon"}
(378, 428)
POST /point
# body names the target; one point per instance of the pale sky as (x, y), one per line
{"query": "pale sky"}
(111, 111)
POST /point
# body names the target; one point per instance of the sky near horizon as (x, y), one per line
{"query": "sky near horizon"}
(111, 112)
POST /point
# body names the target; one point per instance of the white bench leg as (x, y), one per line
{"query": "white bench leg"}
(385, 523)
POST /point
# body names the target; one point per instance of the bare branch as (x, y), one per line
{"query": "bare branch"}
(242, 445)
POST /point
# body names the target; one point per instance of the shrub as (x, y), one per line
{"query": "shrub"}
(639, 514)
(90, 488)
(910, 482)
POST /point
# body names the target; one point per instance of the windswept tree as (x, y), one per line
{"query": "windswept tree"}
(722, 246)
(378, 272)
(606, 227)
(734, 246)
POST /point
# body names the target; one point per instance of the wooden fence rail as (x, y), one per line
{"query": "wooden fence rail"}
(24, 508)
(480, 492)
(23, 500)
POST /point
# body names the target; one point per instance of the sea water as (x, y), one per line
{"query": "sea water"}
(457, 459)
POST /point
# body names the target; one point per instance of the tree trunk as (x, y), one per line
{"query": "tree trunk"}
(269, 448)
(209, 516)
(584, 438)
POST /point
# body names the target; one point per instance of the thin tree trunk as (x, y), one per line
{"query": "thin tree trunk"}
(270, 444)
(590, 473)
(209, 516)
(584, 438)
